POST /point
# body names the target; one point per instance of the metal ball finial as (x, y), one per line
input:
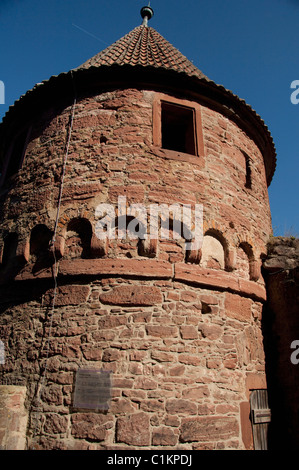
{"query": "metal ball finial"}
(146, 13)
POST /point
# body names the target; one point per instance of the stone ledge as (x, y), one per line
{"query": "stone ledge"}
(103, 267)
(150, 269)
(219, 280)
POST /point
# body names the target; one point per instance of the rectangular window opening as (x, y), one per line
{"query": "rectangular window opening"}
(17, 154)
(178, 128)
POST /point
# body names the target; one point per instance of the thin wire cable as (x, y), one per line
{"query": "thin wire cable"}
(52, 245)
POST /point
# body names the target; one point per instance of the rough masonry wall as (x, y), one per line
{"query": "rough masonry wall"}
(111, 154)
(181, 359)
(281, 326)
(182, 337)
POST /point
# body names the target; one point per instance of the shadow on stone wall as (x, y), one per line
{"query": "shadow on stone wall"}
(281, 330)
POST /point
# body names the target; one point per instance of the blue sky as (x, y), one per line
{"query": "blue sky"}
(250, 47)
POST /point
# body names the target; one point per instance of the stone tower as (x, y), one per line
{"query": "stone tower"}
(175, 325)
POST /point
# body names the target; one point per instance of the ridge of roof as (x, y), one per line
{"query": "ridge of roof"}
(144, 46)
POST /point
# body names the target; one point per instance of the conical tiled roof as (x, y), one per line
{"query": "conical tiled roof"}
(145, 49)
(144, 46)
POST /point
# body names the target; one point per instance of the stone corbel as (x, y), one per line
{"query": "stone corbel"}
(254, 270)
(98, 248)
(148, 248)
(230, 260)
(193, 256)
(23, 252)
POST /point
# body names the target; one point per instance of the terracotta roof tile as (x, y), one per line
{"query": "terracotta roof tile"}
(144, 46)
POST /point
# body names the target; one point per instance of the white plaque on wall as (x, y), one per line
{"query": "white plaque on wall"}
(92, 389)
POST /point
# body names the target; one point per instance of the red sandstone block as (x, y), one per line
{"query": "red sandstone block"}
(209, 277)
(145, 383)
(177, 370)
(91, 353)
(122, 405)
(172, 295)
(161, 331)
(152, 405)
(55, 424)
(196, 393)
(188, 296)
(209, 299)
(119, 382)
(135, 368)
(230, 361)
(189, 332)
(176, 406)
(162, 356)
(211, 332)
(189, 359)
(208, 428)
(164, 436)
(134, 429)
(213, 363)
(172, 420)
(238, 307)
(110, 355)
(90, 426)
(68, 295)
(132, 295)
(137, 355)
(135, 267)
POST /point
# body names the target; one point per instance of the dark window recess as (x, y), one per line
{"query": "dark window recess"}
(248, 173)
(178, 128)
(10, 248)
(17, 154)
(248, 179)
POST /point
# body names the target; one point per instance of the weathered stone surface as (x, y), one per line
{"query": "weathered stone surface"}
(55, 424)
(13, 417)
(132, 295)
(177, 335)
(208, 428)
(238, 307)
(176, 406)
(91, 426)
(134, 429)
(164, 436)
(68, 295)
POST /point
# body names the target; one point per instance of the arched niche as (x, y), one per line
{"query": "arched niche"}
(128, 237)
(78, 237)
(246, 265)
(173, 238)
(39, 244)
(215, 251)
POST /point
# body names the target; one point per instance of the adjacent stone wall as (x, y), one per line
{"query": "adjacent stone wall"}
(13, 417)
(281, 328)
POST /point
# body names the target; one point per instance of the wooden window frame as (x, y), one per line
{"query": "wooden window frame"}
(198, 157)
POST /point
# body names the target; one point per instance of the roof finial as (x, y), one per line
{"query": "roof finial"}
(147, 13)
